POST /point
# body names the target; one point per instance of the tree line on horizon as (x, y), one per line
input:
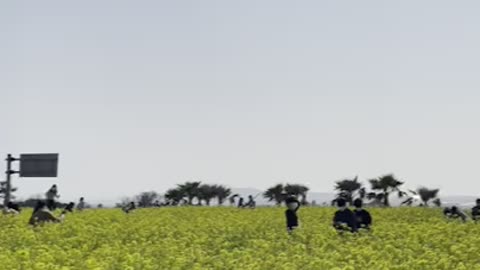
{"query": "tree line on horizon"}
(198, 193)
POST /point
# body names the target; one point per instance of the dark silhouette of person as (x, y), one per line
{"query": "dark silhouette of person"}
(129, 207)
(291, 213)
(68, 208)
(454, 213)
(12, 208)
(344, 219)
(251, 202)
(476, 211)
(362, 216)
(81, 204)
(240, 202)
(42, 214)
(51, 195)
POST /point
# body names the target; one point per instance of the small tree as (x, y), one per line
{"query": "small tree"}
(190, 189)
(206, 193)
(174, 195)
(427, 194)
(386, 185)
(347, 188)
(275, 193)
(222, 193)
(146, 199)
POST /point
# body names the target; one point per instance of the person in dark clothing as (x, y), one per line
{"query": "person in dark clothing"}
(476, 211)
(240, 202)
(12, 208)
(362, 216)
(51, 195)
(454, 213)
(128, 208)
(344, 219)
(68, 208)
(41, 214)
(251, 202)
(291, 213)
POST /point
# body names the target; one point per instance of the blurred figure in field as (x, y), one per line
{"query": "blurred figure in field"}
(291, 213)
(42, 214)
(51, 195)
(251, 202)
(81, 204)
(476, 211)
(12, 209)
(455, 213)
(344, 219)
(129, 207)
(68, 208)
(240, 202)
(362, 216)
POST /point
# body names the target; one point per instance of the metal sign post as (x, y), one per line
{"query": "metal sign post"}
(9, 173)
(31, 165)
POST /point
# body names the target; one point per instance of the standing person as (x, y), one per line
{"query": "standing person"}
(362, 216)
(344, 219)
(81, 204)
(42, 214)
(240, 202)
(291, 213)
(51, 194)
(476, 211)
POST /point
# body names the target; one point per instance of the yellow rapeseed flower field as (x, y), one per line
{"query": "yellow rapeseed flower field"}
(229, 238)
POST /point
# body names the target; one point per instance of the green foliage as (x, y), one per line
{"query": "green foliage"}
(227, 238)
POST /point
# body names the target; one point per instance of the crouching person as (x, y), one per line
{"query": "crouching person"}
(42, 214)
(454, 213)
(362, 216)
(11, 209)
(344, 219)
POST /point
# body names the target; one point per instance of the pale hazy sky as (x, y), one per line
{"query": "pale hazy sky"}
(140, 95)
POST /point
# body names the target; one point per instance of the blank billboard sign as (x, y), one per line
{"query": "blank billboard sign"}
(38, 165)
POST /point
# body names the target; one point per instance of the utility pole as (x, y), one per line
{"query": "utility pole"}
(9, 173)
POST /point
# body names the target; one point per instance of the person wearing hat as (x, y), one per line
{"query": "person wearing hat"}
(291, 213)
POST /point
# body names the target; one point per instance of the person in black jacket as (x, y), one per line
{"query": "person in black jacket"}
(455, 213)
(476, 211)
(362, 216)
(291, 214)
(344, 219)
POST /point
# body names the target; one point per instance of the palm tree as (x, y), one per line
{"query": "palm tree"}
(222, 193)
(386, 184)
(275, 193)
(297, 190)
(206, 193)
(427, 194)
(348, 187)
(190, 189)
(175, 195)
